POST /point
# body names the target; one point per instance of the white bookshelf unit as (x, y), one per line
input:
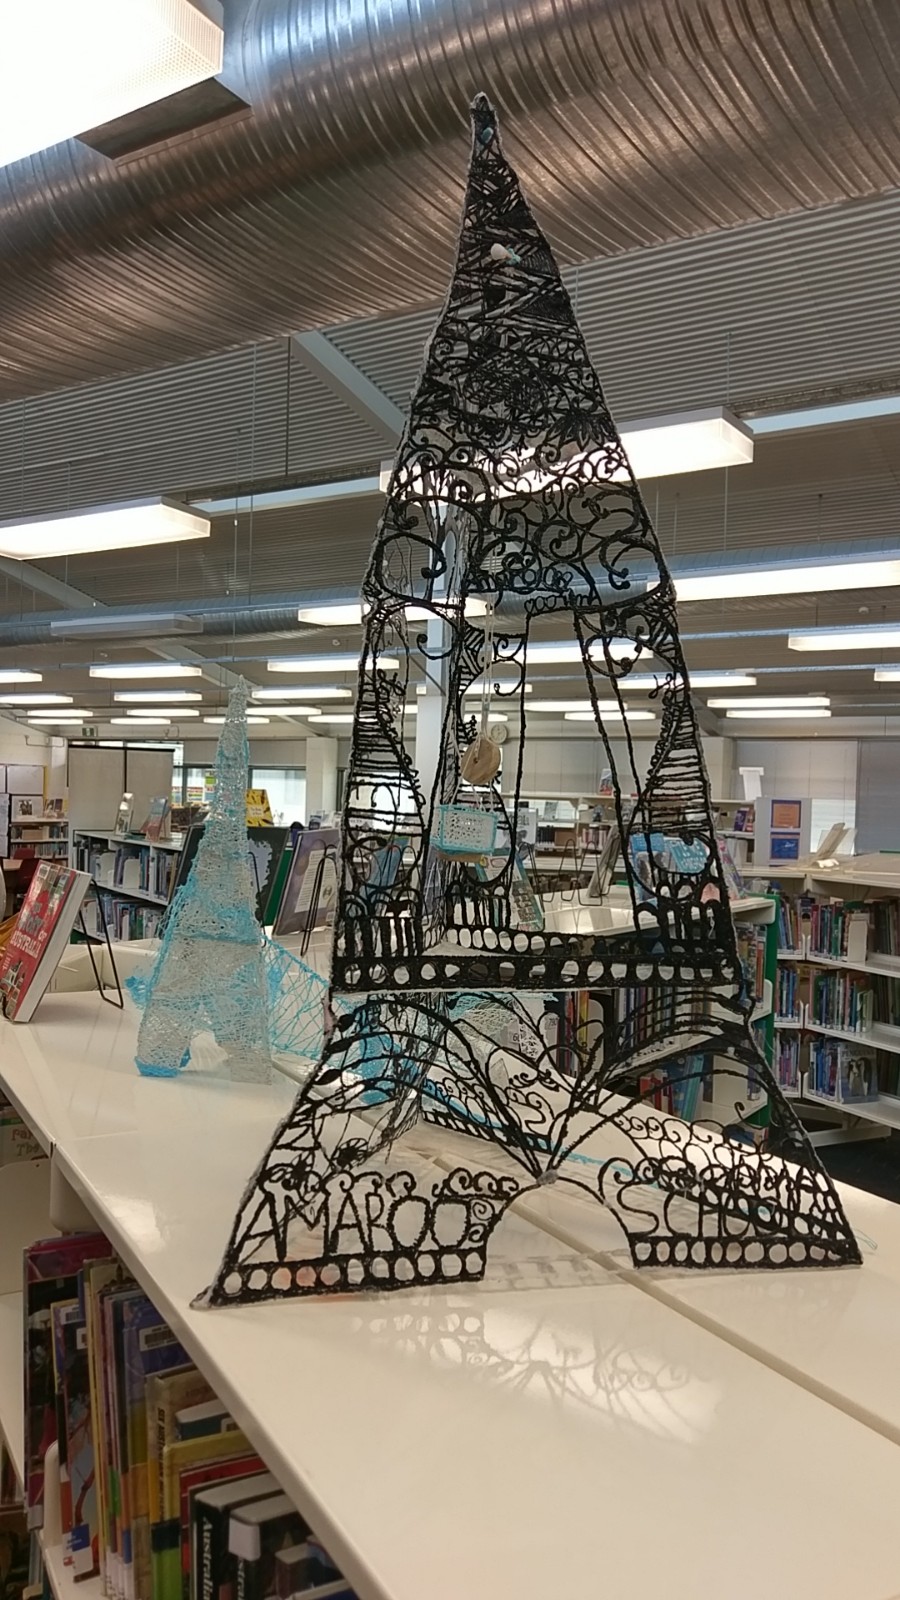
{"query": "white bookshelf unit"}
(461, 1441)
(134, 872)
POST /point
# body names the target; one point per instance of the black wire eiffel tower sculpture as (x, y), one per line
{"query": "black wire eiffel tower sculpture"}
(511, 501)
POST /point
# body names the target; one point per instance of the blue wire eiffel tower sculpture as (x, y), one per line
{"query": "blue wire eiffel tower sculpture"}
(511, 494)
(210, 973)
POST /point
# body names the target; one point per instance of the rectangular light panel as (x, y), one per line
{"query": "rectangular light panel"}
(114, 527)
(71, 65)
(144, 669)
(796, 715)
(808, 579)
(774, 702)
(166, 696)
(877, 637)
(329, 692)
(327, 664)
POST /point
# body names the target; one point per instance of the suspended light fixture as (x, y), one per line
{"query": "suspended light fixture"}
(36, 700)
(791, 715)
(610, 714)
(15, 675)
(326, 664)
(73, 65)
(808, 578)
(877, 636)
(349, 614)
(772, 702)
(167, 696)
(887, 674)
(170, 714)
(144, 669)
(330, 692)
(114, 527)
(252, 721)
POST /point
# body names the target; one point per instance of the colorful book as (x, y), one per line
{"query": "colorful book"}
(255, 1533)
(192, 1480)
(80, 1542)
(43, 927)
(212, 1563)
(198, 1421)
(165, 1536)
(148, 1347)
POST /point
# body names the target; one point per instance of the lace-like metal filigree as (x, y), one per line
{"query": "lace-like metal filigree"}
(511, 502)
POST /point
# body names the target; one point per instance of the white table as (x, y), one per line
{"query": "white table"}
(484, 1443)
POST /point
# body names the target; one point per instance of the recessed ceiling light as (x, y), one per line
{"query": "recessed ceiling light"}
(36, 700)
(875, 637)
(769, 702)
(329, 692)
(144, 669)
(112, 527)
(796, 715)
(167, 696)
(327, 664)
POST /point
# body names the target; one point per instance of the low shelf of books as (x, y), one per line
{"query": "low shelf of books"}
(121, 1473)
(686, 1086)
(134, 876)
(837, 1003)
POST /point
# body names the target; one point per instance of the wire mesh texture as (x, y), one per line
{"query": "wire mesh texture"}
(216, 972)
(616, 1055)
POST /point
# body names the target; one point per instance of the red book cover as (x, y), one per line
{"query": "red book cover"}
(41, 933)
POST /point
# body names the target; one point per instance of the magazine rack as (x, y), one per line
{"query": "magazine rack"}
(512, 510)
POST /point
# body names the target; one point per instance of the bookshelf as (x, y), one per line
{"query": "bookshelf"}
(134, 877)
(534, 1419)
(832, 985)
(48, 837)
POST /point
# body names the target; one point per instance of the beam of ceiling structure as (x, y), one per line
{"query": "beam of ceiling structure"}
(76, 600)
(350, 384)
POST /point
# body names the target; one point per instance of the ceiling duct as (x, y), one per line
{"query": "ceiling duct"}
(632, 122)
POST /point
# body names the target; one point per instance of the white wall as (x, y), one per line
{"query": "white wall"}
(823, 770)
(20, 744)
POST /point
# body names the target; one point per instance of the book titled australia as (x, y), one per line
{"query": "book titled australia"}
(41, 934)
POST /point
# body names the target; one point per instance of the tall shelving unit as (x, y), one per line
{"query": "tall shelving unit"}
(134, 876)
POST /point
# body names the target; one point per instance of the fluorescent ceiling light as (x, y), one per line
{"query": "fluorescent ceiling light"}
(795, 715)
(14, 675)
(688, 441)
(806, 579)
(887, 674)
(168, 696)
(300, 693)
(138, 722)
(113, 527)
(36, 700)
(74, 66)
(326, 664)
(508, 685)
(694, 441)
(350, 614)
(556, 654)
(573, 705)
(145, 669)
(69, 711)
(610, 715)
(170, 713)
(876, 637)
(251, 721)
(698, 680)
(773, 702)
(334, 716)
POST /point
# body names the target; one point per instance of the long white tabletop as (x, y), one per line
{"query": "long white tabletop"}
(492, 1443)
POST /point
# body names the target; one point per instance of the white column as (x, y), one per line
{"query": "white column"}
(321, 774)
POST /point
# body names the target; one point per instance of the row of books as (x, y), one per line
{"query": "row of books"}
(787, 994)
(161, 1493)
(791, 927)
(125, 919)
(886, 926)
(675, 1086)
(130, 867)
(838, 929)
(751, 944)
(786, 1062)
(841, 1000)
(842, 1072)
